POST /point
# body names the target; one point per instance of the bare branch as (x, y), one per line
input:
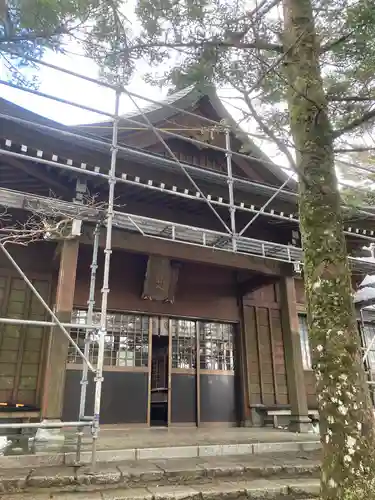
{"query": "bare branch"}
(216, 43)
(359, 149)
(48, 221)
(268, 131)
(350, 98)
(335, 43)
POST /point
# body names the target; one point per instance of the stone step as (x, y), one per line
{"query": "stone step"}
(257, 489)
(161, 473)
(161, 452)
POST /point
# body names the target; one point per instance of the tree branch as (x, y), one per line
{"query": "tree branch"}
(359, 149)
(32, 37)
(331, 45)
(350, 98)
(230, 43)
(366, 117)
(267, 130)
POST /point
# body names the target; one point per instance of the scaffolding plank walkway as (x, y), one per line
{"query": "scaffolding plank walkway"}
(165, 230)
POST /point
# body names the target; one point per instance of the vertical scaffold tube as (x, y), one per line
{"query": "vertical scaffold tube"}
(105, 288)
(232, 208)
(89, 320)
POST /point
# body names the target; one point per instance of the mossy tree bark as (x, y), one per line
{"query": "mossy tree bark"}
(347, 423)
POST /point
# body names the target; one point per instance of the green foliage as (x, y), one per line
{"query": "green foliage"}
(240, 44)
(30, 27)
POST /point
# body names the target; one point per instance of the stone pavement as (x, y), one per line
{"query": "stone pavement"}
(117, 443)
(121, 437)
(290, 475)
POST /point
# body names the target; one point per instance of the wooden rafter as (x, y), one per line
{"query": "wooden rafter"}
(34, 171)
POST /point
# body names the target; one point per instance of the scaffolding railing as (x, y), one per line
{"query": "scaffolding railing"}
(232, 239)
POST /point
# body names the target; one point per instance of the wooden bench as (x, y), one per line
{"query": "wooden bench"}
(18, 413)
(270, 413)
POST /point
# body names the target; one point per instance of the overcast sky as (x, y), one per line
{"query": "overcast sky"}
(73, 89)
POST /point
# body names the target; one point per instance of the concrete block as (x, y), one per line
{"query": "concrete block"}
(167, 452)
(12, 481)
(127, 494)
(181, 469)
(222, 469)
(275, 447)
(304, 488)
(212, 450)
(107, 475)
(28, 496)
(48, 477)
(237, 449)
(262, 488)
(39, 459)
(174, 492)
(140, 471)
(310, 446)
(102, 456)
(223, 490)
(89, 495)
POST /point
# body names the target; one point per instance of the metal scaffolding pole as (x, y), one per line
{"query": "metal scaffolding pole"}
(261, 211)
(177, 161)
(33, 322)
(105, 288)
(232, 206)
(90, 311)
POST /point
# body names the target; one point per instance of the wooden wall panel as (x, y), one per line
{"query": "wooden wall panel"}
(252, 356)
(300, 291)
(265, 358)
(202, 291)
(278, 357)
(265, 354)
(310, 389)
(22, 348)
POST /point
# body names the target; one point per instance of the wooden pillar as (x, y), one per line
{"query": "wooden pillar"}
(293, 357)
(58, 343)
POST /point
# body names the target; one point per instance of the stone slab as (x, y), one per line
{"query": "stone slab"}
(237, 449)
(212, 450)
(18, 461)
(221, 468)
(275, 447)
(107, 475)
(140, 471)
(28, 496)
(127, 494)
(102, 456)
(181, 468)
(47, 477)
(261, 488)
(174, 492)
(305, 487)
(166, 452)
(92, 495)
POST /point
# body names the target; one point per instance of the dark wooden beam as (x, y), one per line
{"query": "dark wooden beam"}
(33, 170)
(137, 243)
(255, 282)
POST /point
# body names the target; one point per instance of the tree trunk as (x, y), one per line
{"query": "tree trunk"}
(347, 422)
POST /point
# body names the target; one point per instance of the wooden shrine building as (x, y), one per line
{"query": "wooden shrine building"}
(197, 334)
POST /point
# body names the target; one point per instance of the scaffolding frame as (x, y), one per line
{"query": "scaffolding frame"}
(231, 240)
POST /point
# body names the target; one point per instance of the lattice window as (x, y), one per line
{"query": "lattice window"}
(217, 346)
(368, 332)
(305, 342)
(183, 343)
(126, 342)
